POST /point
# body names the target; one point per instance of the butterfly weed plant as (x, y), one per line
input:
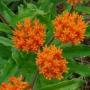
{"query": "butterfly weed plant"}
(39, 43)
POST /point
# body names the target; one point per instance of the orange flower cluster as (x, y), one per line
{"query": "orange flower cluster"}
(29, 36)
(51, 63)
(15, 84)
(73, 2)
(70, 27)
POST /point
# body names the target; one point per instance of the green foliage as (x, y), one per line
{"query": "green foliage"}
(9, 1)
(88, 31)
(15, 62)
(76, 51)
(77, 68)
(65, 85)
(5, 28)
(5, 52)
(9, 69)
(30, 10)
(5, 41)
(6, 13)
(83, 9)
(2, 62)
(25, 62)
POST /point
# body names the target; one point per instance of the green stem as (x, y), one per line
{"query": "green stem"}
(37, 72)
(2, 18)
(5, 21)
(72, 8)
(50, 41)
(35, 79)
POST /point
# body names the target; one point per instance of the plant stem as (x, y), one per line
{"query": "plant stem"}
(72, 8)
(50, 41)
(5, 21)
(35, 79)
(37, 72)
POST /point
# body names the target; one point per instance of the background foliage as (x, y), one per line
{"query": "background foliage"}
(15, 62)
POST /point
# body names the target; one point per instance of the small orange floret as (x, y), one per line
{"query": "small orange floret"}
(73, 2)
(51, 63)
(15, 84)
(29, 36)
(70, 27)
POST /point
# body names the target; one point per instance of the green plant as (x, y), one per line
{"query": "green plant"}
(16, 61)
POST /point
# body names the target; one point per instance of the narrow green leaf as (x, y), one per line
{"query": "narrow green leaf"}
(25, 62)
(2, 62)
(65, 85)
(9, 1)
(16, 56)
(82, 69)
(9, 69)
(83, 9)
(5, 52)
(49, 35)
(6, 13)
(75, 51)
(5, 41)
(88, 31)
(30, 10)
(5, 28)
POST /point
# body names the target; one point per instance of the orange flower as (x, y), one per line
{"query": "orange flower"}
(15, 84)
(73, 2)
(70, 27)
(29, 36)
(51, 63)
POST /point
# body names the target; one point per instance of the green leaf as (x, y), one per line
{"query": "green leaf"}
(43, 82)
(5, 41)
(2, 62)
(9, 1)
(49, 33)
(45, 4)
(76, 51)
(65, 85)
(6, 13)
(5, 52)
(88, 31)
(5, 28)
(26, 63)
(30, 10)
(82, 69)
(17, 56)
(49, 7)
(83, 9)
(9, 70)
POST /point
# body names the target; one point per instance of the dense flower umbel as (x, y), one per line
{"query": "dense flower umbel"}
(29, 36)
(51, 63)
(70, 27)
(73, 2)
(15, 84)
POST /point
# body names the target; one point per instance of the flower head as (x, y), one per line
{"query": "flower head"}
(73, 2)
(29, 36)
(51, 63)
(15, 84)
(70, 27)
